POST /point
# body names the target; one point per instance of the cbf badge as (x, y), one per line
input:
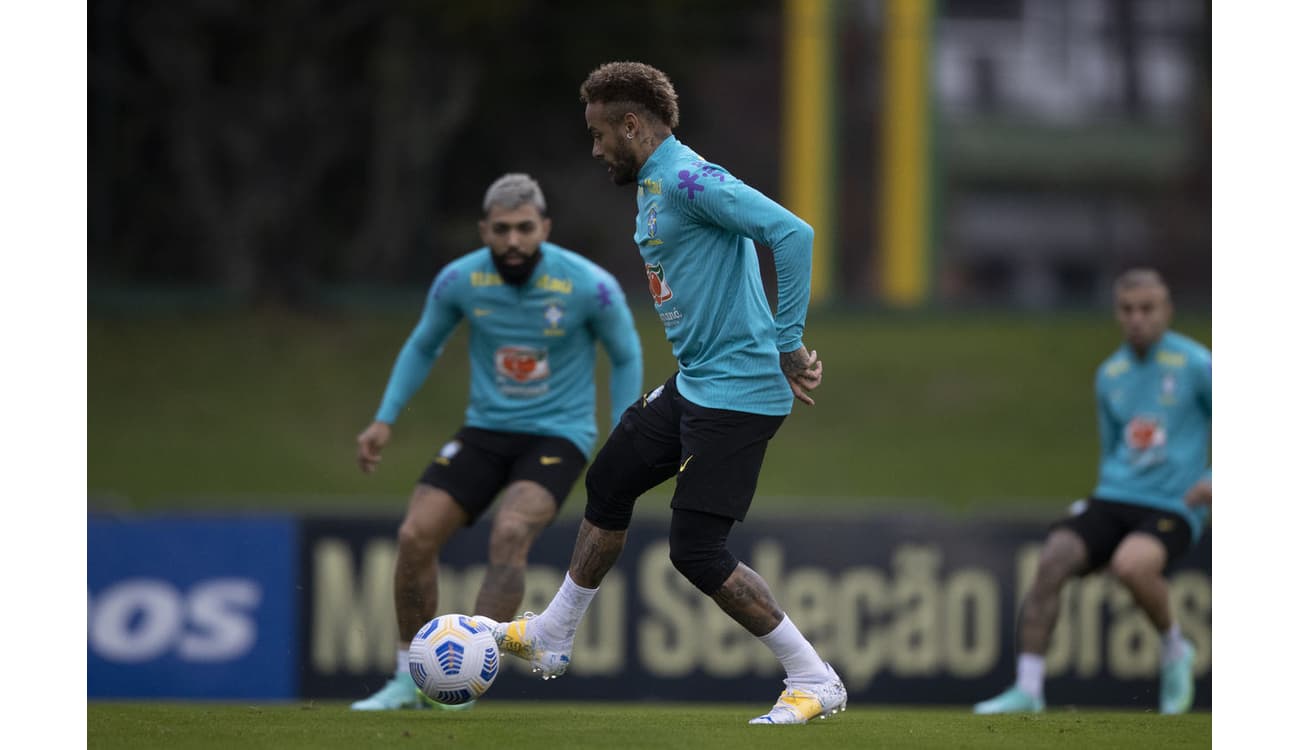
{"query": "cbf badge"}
(1168, 389)
(652, 221)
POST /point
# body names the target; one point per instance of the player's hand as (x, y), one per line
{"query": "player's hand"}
(1199, 495)
(370, 443)
(803, 371)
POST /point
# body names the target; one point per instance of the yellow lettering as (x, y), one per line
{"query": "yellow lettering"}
(482, 278)
(598, 646)
(972, 592)
(916, 614)
(1171, 359)
(354, 627)
(559, 286)
(1133, 649)
(1189, 593)
(665, 644)
(861, 649)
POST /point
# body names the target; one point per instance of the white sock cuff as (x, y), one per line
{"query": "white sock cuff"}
(1030, 669)
(569, 584)
(782, 628)
(403, 660)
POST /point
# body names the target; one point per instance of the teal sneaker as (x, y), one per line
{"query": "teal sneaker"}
(1177, 688)
(1013, 701)
(398, 693)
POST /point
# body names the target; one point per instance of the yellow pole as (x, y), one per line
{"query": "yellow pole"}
(905, 175)
(807, 167)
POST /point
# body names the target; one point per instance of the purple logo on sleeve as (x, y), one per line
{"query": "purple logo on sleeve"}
(446, 282)
(602, 295)
(690, 183)
(708, 170)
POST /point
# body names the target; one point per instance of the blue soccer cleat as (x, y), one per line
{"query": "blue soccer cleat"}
(398, 693)
(1177, 687)
(1013, 701)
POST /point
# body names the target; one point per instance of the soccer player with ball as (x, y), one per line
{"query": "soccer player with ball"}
(536, 312)
(1152, 495)
(739, 371)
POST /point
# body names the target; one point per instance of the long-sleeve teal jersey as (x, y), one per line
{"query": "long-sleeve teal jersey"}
(695, 226)
(532, 348)
(1154, 418)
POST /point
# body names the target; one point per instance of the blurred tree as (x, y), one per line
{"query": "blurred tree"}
(266, 147)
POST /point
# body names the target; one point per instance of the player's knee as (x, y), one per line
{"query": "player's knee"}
(697, 548)
(511, 538)
(412, 539)
(707, 571)
(1133, 568)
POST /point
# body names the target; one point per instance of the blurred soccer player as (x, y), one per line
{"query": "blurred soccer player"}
(1151, 499)
(708, 425)
(535, 312)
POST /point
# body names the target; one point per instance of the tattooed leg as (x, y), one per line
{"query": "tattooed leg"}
(746, 597)
(594, 553)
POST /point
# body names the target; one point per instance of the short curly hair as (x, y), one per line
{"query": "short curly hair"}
(634, 83)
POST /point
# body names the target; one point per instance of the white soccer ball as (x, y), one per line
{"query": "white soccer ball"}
(454, 659)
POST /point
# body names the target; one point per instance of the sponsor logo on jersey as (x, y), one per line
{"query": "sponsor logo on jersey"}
(659, 289)
(1143, 433)
(685, 463)
(651, 396)
(484, 278)
(522, 364)
(551, 460)
(480, 312)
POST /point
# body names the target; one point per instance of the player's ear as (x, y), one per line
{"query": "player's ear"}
(483, 232)
(546, 227)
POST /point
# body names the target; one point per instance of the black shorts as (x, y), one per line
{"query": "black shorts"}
(1103, 524)
(716, 454)
(478, 463)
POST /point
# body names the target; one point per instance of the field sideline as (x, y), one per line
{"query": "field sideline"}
(182, 726)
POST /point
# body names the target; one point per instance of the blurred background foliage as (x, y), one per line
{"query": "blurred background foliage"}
(272, 185)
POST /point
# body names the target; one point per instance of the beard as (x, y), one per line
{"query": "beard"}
(516, 275)
(623, 168)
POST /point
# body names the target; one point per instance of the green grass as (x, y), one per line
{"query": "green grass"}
(260, 410)
(625, 726)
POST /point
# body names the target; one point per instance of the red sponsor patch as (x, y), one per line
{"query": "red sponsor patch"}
(522, 364)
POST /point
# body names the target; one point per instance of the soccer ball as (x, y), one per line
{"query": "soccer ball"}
(454, 659)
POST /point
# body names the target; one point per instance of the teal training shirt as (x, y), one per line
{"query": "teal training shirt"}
(1154, 418)
(532, 348)
(695, 227)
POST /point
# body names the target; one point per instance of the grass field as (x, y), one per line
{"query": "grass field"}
(969, 413)
(625, 726)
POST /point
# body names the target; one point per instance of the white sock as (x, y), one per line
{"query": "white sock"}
(1171, 645)
(559, 623)
(1029, 674)
(802, 664)
(403, 661)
